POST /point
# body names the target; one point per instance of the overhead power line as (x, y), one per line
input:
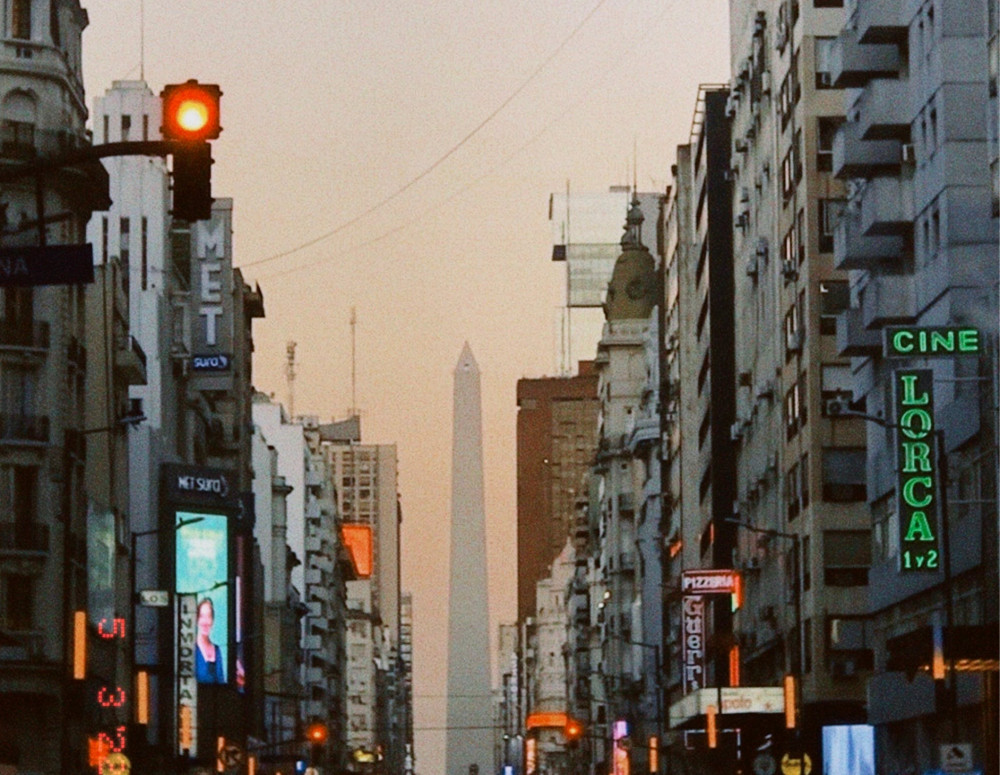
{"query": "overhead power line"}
(427, 171)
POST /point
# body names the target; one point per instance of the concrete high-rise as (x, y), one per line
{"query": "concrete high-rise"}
(469, 748)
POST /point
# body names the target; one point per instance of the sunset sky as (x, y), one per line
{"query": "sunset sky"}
(397, 158)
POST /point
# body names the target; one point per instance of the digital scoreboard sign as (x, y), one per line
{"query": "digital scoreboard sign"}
(917, 470)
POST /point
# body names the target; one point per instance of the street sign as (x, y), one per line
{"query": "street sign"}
(956, 757)
(48, 265)
(794, 766)
(154, 598)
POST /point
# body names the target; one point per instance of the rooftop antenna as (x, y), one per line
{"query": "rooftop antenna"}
(567, 354)
(353, 411)
(290, 376)
(142, 40)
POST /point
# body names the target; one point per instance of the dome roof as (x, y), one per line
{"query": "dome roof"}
(632, 290)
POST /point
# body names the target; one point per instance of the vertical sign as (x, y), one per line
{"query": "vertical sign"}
(693, 642)
(917, 466)
(187, 684)
(212, 297)
(619, 733)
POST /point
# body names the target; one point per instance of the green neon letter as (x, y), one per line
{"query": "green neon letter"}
(909, 391)
(968, 340)
(916, 457)
(919, 529)
(916, 423)
(898, 343)
(910, 497)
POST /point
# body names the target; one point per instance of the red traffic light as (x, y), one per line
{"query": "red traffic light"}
(316, 733)
(190, 111)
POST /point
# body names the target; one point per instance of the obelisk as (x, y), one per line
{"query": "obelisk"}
(469, 746)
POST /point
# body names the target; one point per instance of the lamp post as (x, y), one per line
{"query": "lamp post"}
(133, 592)
(798, 664)
(658, 682)
(951, 679)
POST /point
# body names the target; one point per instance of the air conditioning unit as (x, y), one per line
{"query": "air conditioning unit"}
(794, 341)
(789, 270)
(762, 248)
(835, 407)
(908, 153)
(736, 431)
(752, 267)
(824, 79)
(740, 145)
(744, 195)
(764, 389)
(730, 107)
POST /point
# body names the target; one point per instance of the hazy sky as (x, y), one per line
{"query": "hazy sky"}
(422, 140)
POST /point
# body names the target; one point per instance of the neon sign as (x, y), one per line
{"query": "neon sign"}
(911, 341)
(917, 464)
(110, 745)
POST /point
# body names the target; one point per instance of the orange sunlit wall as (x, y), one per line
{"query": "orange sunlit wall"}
(358, 540)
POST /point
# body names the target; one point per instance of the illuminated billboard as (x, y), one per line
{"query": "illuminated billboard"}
(358, 540)
(203, 572)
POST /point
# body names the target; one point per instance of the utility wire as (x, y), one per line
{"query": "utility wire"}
(413, 181)
(421, 217)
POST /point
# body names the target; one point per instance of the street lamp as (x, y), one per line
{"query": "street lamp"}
(658, 683)
(799, 660)
(133, 593)
(951, 680)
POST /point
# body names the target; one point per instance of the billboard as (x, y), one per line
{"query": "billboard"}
(212, 299)
(358, 540)
(202, 571)
(849, 749)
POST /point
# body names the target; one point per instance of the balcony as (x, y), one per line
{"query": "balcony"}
(878, 21)
(24, 429)
(887, 207)
(24, 336)
(888, 300)
(312, 643)
(853, 338)
(854, 64)
(854, 157)
(883, 110)
(21, 537)
(130, 362)
(852, 249)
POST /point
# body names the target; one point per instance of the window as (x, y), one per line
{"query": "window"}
(703, 429)
(824, 62)
(54, 24)
(145, 251)
(145, 126)
(706, 483)
(126, 126)
(20, 19)
(17, 613)
(826, 131)
(844, 474)
(792, 412)
(834, 298)
(830, 211)
(18, 307)
(124, 238)
(797, 487)
(847, 555)
(104, 239)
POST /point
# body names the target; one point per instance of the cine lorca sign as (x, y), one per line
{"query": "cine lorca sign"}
(918, 474)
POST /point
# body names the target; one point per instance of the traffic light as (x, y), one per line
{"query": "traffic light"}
(316, 734)
(193, 182)
(190, 120)
(573, 731)
(190, 111)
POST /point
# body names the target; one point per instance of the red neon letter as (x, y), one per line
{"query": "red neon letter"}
(117, 623)
(113, 699)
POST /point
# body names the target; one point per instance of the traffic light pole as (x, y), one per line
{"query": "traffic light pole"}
(38, 167)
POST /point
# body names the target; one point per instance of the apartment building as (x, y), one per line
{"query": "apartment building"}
(919, 238)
